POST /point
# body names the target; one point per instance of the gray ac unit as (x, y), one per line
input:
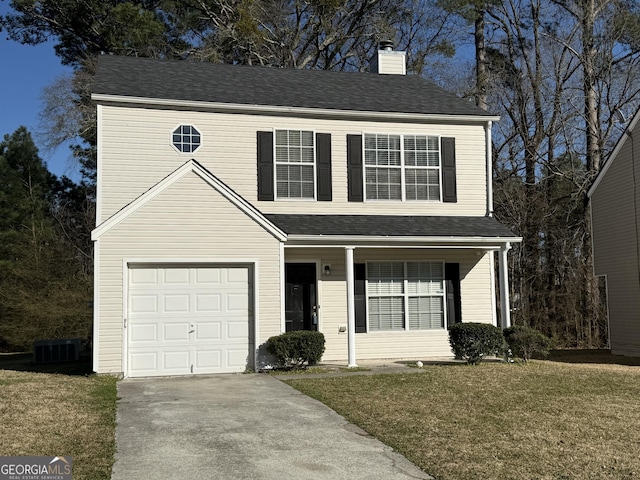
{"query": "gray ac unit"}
(57, 350)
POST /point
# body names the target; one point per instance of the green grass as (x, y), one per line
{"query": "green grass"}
(58, 411)
(542, 420)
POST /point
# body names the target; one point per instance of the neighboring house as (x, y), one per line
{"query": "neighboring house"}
(616, 246)
(235, 203)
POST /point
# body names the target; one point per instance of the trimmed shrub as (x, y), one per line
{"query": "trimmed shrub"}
(472, 342)
(525, 342)
(295, 349)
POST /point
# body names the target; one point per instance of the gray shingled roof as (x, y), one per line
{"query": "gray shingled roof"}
(206, 82)
(390, 226)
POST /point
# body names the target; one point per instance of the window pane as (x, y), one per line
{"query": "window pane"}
(386, 313)
(420, 152)
(294, 138)
(186, 138)
(426, 313)
(383, 183)
(282, 137)
(385, 278)
(425, 278)
(370, 142)
(306, 155)
(294, 164)
(282, 154)
(307, 138)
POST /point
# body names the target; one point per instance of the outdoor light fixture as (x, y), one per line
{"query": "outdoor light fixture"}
(327, 269)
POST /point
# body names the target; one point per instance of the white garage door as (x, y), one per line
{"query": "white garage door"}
(189, 319)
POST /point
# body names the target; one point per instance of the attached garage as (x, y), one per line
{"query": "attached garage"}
(189, 319)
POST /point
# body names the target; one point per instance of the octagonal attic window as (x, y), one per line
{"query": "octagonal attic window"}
(186, 138)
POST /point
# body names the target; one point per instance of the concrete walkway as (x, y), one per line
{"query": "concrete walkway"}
(241, 427)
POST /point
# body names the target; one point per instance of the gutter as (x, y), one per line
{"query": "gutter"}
(290, 111)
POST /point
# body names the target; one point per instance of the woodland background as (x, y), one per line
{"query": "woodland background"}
(564, 75)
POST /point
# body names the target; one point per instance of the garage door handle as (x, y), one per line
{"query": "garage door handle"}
(192, 328)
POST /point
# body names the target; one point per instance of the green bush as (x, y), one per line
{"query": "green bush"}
(472, 342)
(524, 342)
(295, 349)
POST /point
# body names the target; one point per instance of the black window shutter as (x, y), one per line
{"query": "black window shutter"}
(323, 166)
(452, 289)
(265, 166)
(354, 168)
(360, 297)
(449, 189)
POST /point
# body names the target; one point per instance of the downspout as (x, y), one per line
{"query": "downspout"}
(489, 159)
(351, 311)
(505, 307)
(489, 154)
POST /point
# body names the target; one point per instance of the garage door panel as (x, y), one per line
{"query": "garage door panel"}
(206, 331)
(208, 276)
(237, 330)
(237, 276)
(176, 276)
(176, 303)
(144, 362)
(237, 303)
(207, 359)
(144, 276)
(176, 332)
(208, 302)
(143, 332)
(188, 320)
(143, 304)
(176, 362)
(236, 358)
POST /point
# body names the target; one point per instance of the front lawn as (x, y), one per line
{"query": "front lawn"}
(542, 420)
(56, 414)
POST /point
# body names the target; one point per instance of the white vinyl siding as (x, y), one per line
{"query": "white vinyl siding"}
(295, 164)
(402, 167)
(136, 154)
(190, 222)
(400, 290)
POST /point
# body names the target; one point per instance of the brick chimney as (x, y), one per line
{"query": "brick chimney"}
(388, 61)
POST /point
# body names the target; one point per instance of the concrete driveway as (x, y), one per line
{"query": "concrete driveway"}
(241, 427)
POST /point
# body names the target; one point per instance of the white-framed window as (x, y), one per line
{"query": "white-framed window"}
(186, 138)
(402, 167)
(295, 162)
(405, 296)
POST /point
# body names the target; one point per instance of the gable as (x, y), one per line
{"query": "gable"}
(626, 136)
(189, 168)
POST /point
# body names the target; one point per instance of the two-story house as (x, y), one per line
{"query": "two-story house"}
(235, 203)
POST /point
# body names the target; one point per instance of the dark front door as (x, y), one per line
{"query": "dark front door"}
(300, 297)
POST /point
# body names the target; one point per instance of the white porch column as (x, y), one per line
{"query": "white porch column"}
(505, 307)
(351, 308)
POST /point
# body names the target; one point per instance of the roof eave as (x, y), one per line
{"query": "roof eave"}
(381, 241)
(614, 153)
(284, 110)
